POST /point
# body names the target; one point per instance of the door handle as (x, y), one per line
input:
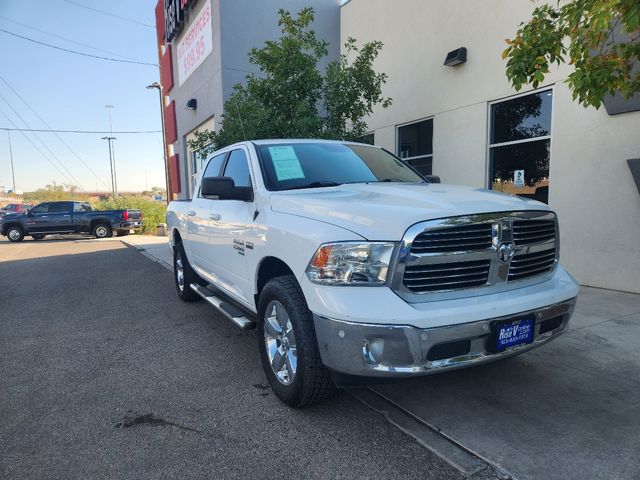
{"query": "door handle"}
(191, 213)
(215, 216)
(66, 215)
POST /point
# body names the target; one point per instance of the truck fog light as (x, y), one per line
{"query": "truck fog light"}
(372, 350)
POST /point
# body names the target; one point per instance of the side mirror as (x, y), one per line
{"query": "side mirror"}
(433, 178)
(225, 189)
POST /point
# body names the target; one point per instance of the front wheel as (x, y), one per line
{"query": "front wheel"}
(102, 230)
(288, 346)
(15, 234)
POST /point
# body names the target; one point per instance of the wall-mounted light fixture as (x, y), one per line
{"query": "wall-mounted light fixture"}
(456, 57)
(192, 104)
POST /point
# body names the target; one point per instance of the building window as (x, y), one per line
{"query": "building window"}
(519, 145)
(415, 145)
(197, 162)
(368, 138)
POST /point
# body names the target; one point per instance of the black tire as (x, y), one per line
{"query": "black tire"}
(311, 382)
(15, 233)
(102, 230)
(188, 275)
(38, 236)
(122, 233)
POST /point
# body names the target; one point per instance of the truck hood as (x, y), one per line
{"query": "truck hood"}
(384, 211)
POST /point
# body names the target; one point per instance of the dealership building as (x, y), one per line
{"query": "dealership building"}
(461, 121)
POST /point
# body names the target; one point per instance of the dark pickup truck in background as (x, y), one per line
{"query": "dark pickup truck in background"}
(69, 217)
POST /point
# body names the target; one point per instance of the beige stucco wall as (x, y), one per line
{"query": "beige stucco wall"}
(591, 187)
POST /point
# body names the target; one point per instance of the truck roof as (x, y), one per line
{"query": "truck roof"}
(301, 140)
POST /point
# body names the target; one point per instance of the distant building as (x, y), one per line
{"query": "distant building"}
(204, 46)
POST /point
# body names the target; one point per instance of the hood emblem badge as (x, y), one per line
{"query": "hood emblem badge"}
(506, 252)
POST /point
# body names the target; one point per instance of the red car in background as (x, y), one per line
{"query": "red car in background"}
(15, 208)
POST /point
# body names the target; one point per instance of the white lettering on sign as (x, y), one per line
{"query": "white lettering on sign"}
(195, 44)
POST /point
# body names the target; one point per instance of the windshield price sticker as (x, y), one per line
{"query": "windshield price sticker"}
(286, 163)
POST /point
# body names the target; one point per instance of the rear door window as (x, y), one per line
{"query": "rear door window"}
(61, 207)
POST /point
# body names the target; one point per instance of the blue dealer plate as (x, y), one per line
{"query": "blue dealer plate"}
(514, 332)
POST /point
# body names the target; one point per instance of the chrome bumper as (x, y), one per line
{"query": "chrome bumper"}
(403, 351)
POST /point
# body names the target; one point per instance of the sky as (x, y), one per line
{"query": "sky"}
(69, 92)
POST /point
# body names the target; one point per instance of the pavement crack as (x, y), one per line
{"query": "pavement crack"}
(151, 419)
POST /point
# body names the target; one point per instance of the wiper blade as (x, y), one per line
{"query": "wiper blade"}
(317, 185)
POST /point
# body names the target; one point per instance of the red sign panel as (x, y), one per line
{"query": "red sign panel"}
(160, 21)
(171, 130)
(166, 70)
(174, 173)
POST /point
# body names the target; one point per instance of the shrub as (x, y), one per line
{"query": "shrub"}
(153, 212)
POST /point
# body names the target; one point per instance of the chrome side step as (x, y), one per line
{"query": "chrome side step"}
(228, 310)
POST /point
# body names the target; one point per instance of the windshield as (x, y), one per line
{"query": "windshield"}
(288, 166)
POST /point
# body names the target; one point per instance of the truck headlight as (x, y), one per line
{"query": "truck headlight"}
(351, 263)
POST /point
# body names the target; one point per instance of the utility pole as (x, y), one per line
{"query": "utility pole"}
(114, 190)
(13, 173)
(112, 154)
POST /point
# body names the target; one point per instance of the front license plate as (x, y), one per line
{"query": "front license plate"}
(514, 332)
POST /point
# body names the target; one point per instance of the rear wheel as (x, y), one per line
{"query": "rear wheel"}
(38, 236)
(102, 230)
(288, 345)
(122, 233)
(15, 233)
(184, 275)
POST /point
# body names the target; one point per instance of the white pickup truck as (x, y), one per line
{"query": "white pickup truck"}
(352, 266)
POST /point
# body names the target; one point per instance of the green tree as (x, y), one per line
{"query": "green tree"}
(599, 38)
(55, 192)
(291, 97)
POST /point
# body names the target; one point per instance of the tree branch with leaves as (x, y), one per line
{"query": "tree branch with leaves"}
(600, 39)
(291, 97)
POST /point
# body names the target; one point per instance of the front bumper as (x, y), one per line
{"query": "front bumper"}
(373, 350)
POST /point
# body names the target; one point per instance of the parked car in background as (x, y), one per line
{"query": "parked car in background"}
(15, 208)
(353, 266)
(69, 217)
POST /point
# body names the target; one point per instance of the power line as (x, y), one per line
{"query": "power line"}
(135, 62)
(42, 142)
(65, 39)
(58, 136)
(38, 149)
(110, 14)
(98, 132)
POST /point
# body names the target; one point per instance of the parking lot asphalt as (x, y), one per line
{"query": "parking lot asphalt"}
(568, 410)
(104, 373)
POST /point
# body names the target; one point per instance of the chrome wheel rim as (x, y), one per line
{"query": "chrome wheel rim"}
(180, 273)
(101, 232)
(280, 343)
(14, 234)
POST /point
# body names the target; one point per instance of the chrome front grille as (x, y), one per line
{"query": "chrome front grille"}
(531, 264)
(428, 278)
(488, 253)
(459, 238)
(527, 232)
